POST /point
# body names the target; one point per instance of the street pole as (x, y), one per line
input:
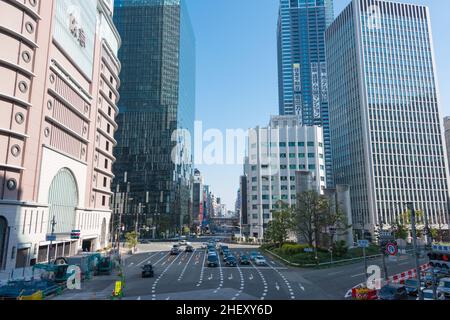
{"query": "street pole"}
(386, 275)
(365, 263)
(416, 253)
(51, 239)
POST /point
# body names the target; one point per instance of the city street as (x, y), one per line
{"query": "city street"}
(186, 277)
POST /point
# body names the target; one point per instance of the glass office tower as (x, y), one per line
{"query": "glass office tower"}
(157, 98)
(386, 127)
(302, 69)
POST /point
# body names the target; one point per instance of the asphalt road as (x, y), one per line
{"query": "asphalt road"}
(186, 277)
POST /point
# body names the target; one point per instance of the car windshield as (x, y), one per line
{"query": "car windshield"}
(260, 257)
(387, 290)
(212, 258)
(428, 295)
(445, 284)
(411, 282)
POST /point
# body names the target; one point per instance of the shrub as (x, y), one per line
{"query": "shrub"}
(292, 249)
(340, 248)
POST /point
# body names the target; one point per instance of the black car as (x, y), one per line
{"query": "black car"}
(189, 248)
(231, 261)
(147, 271)
(393, 292)
(223, 249)
(244, 260)
(213, 260)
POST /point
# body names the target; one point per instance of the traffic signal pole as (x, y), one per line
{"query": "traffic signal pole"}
(416, 253)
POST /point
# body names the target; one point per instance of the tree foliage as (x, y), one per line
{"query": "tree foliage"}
(277, 231)
(314, 217)
(400, 231)
(131, 239)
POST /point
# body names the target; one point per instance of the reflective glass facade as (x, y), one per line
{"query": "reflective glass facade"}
(386, 126)
(157, 98)
(303, 88)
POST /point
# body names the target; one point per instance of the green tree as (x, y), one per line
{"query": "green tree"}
(340, 248)
(400, 231)
(311, 216)
(131, 239)
(277, 231)
(405, 218)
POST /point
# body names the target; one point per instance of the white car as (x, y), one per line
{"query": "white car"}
(204, 245)
(182, 243)
(260, 261)
(444, 287)
(428, 295)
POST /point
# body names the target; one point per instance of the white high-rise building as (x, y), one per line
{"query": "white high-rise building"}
(275, 153)
(386, 126)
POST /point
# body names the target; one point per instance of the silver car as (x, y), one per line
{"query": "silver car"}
(444, 287)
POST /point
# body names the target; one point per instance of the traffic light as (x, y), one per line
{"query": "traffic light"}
(439, 260)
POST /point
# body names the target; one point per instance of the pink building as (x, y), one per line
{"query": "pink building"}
(58, 94)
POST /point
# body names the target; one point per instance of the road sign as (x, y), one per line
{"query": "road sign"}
(386, 235)
(51, 238)
(75, 234)
(392, 249)
(363, 243)
(308, 250)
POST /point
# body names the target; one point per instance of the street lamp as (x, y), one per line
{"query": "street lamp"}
(410, 205)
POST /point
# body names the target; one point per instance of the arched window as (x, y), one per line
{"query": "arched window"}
(3, 232)
(62, 199)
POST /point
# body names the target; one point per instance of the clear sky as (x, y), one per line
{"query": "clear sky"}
(237, 84)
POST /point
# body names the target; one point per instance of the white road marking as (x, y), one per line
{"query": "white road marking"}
(202, 271)
(139, 298)
(285, 281)
(165, 256)
(262, 278)
(185, 267)
(130, 264)
(146, 259)
(301, 287)
(277, 286)
(162, 274)
(357, 275)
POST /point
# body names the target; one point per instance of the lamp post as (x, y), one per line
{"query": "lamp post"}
(121, 207)
(416, 253)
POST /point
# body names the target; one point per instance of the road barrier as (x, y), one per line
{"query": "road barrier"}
(410, 274)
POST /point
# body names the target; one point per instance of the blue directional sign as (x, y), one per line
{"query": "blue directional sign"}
(363, 243)
(51, 238)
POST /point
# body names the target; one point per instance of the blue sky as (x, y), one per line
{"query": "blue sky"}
(237, 84)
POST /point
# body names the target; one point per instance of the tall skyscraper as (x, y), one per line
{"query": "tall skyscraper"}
(386, 127)
(302, 68)
(157, 98)
(197, 199)
(58, 89)
(447, 136)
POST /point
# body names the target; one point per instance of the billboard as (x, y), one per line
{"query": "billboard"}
(75, 26)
